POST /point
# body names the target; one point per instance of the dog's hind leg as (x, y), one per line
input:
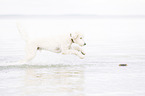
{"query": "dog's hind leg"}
(30, 53)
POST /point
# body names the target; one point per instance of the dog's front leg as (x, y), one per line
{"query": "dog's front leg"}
(79, 49)
(75, 52)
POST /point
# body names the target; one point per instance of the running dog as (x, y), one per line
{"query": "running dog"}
(58, 44)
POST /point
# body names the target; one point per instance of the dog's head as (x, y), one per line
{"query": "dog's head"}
(78, 38)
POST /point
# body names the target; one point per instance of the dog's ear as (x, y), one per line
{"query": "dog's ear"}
(74, 35)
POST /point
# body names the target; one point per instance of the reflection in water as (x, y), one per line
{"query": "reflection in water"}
(60, 81)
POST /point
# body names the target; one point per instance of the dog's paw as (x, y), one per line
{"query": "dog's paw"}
(82, 57)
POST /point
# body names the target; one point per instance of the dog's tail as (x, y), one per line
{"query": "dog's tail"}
(22, 31)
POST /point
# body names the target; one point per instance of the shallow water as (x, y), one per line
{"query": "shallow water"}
(99, 74)
(73, 80)
(68, 75)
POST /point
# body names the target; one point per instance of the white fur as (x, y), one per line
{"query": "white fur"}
(58, 44)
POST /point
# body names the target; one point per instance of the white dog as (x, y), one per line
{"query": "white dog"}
(59, 44)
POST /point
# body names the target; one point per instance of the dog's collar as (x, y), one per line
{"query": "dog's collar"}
(71, 38)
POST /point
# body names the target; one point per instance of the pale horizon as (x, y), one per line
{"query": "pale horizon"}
(62, 7)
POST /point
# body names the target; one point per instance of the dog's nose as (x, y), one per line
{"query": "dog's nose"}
(84, 43)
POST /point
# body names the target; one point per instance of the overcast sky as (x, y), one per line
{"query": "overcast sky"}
(70, 7)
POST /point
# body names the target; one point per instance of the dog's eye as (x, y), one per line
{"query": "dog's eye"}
(81, 38)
